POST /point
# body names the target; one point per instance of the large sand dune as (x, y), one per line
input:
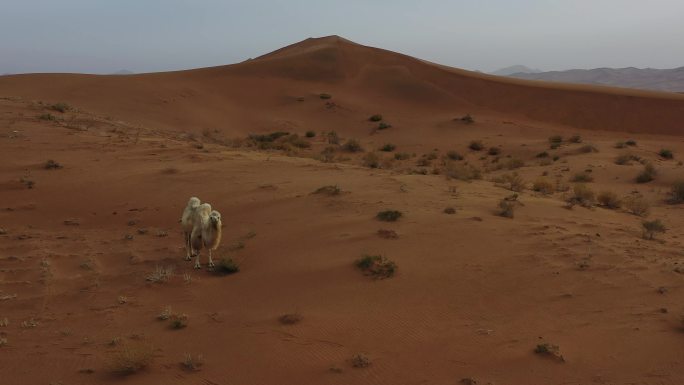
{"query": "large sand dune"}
(474, 292)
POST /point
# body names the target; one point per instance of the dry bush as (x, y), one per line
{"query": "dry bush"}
(581, 195)
(332, 137)
(165, 314)
(513, 182)
(636, 204)
(384, 126)
(609, 200)
(575, 139)
(402, 156)
(360, 361)
(371, 160)
(506, 208)
(666, 154)
(450, 210)
(626, 159)
(310, 134)
(494, 151)
(543, 186)
(465, 172)
(52, 165)
(325, 96)
(60, 107)
(352, 145)
(193, 363)
(179, 321)
(454, 155)
(131, 358)
(677, 193)
(389, 215)
(328, 190)
(555, 141)
(513, 163)
(476, 145)
(160, 274)
(647, 174)
(631, 142)
(549, 350)
(328, 154)
(467, 119)
(290, 318)
(388, 147)
(652, 227)
(582, 177)
(377, 266)
(226, 266)
(375, 118)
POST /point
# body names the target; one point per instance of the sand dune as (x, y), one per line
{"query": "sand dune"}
(474, 293)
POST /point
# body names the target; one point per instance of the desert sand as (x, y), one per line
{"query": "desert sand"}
(473, 295)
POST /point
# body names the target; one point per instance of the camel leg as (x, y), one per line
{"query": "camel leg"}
(188, 247)
(211, 263)
(197, 262)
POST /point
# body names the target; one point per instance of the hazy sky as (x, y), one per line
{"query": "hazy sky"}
(103, 36)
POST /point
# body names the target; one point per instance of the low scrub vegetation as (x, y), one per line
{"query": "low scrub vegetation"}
(464, 172)
(360, 361)
(626, 159)
(549, 350)
(581, 195)
(666, 154)
(371, 160)
(544, 186)
(388, 147)
(310, 134)
(226, 266)
(647, 174)
(388, 234)
(677, 193)
(52, 165)
(402, 156)
(476, 145)
(389, 215)
(582, 177)
(494, 151)
(328, 190)
(131, 358)
(506, 208)
(193, 363)
(375, 118)
(384, 126)
(513, 181)
(352, 145)
(290, 318)
(555, 141)
(609, 200)
(377, 266)
(652, 227)
(636, 204)
(454, 155)
(467, 118)
(587, 148)
(60, 107)
(325, 96)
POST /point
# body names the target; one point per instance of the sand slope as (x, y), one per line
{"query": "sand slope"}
(474, 292)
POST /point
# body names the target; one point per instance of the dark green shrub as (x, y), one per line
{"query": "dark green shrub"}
(494, 151)
(543, 154)
(467, 119)
(631, 142)
(453, 155)
(666, 154)
(48, 117)
(310, 134)
(652, 227)
(375, 118)
(388, 147)
(384, 126)
(476, 145)
(389, 215)
(352, 145)
(325, 96)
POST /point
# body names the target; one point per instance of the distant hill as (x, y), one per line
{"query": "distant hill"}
(123, 72)
(648, 78)
(515, 70)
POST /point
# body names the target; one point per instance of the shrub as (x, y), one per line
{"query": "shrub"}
(325, 96)
(160, 274)
(129, 359)
(389, 215)
(193, 363)
(549, 350)
(467, 119)
(666, 154)
(352, 145)
(587, 148)
(371, 160)
(626, 159)
(179, 321)
(450, 210)
(388, 147)
(360, 361)
(513, 182)
(506, 208)
(310, 134)
(377, 266)
(631, 142)
(290, 318)
(384, 126)
(677, 193)
(476, 145)
(543, 186)
(328, 190)
(609, 200)
(52, 165)
(647, 174)
(513, 163)
(543, 154)
(575, 139)
(375, 118)
(556, 139)
(328, 154)
(582, 177)
(582, 195)
(49, 117)
(298, 142)
(402, 156)
(453, 155)
(652, 227)
(227, 266)
(332, 137)
(494, 151)
(465, 172)
(268, 138)
(637, 205)
(60, 107)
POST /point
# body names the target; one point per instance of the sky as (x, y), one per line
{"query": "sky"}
(105, 36)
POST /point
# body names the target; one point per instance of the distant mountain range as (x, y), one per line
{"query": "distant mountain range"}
(516, 69)
(671, 80)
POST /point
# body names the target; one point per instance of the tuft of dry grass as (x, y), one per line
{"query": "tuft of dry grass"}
(464, 172)
(647, 174)
(677, 192)
(377, 266)
(52, 165)
(543, 186)
(513, 182)
(636, 204)
(581, 195)
(193, 363)
(360, 360)
(609, 200)
(160, 274)
(389, 215)
(549, 350)
(131, 358)
(582, 177)
(179, 321)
